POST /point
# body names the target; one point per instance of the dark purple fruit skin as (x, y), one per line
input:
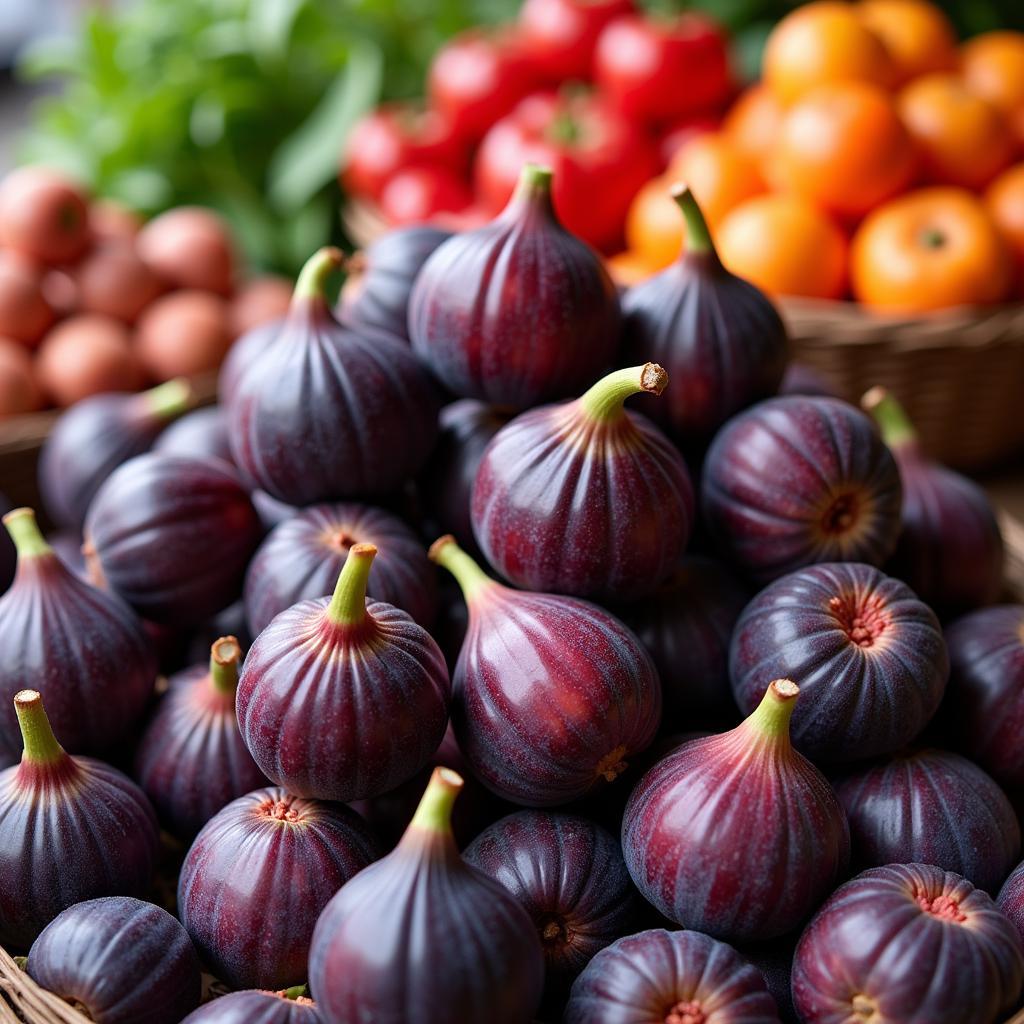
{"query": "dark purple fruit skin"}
(1011, 898)
(779, 477)
(255, 880)
(125, 961)
(775, 962)
(302, 557)
(68, 546)
(69, 832)
(984, 707)
(172, 535)
(8, 556)
(569, 876)
(931, 807)
(243, 354)
(643, 977)
(566, 504)
(858, 701)
(201, 434)
(271, 511)
(255, 1007)
(873, 946)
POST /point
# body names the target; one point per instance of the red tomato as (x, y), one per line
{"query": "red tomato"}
(599, 160)
(677, 135)
(661, 70)
(418, 194)
(562, 34)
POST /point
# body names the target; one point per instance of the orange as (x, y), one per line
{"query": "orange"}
(822, 42)
(963, 139)
(752, 122)
(1005, 202)
(629, 268)
(843, 147)
(918, 36)
(786, 246)
(993, 66)
(654, 228)
(933, 248)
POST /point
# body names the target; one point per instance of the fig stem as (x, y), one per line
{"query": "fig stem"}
(771, 717)
(604, 400)
(534, 180)
(312, 280)
(224, 656)
(170, 399)
(41, 746)
(434, 813)
(24, 530)
(472, 580)
(698, 236)
(891, 417)
(295, 992)
(348, 605)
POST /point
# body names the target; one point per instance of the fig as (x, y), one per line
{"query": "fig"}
(950, 550)
(869, 656)
(189, 247)
(288, 1006)
(362, 404)
(186, 332)
(113, 281)
(676, 977)
(43, 215)
(518, 311)
(798, 480)
(19, 390)
(301, 559)
(259, 301)
(202, 433)
(25, 313)
(71, 828)
(257, 877)
(90, 440)
(1011, 898)
(423, 936)
(172, 535)
(585, 497)
(909, 943)
(120, 960)
(83, 647)
(551, 695)
(719, 337)
(342, 698)
(191, 760)
(737, 835)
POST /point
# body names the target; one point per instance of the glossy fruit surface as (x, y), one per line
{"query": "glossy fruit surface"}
(776, 842)
(418, 194)
(676, 977)
(752, 122)
(342, 698)
(201, 434)
(71, 828)
(257, 877)
(172, 536)
(43, 215)
(1011, 898)
(301, 559)
(123, 961)
(918, 36)
(992, 64)
(718, 172)
(800, 480)
(562, 34)
(113, 281)
(909, 943)
(191, 759)
(517, 311)
(189, 247)
(1005, 203)
(375, 953)
(585, 497)
(869, 655)
(552, 695)
(258, 1007)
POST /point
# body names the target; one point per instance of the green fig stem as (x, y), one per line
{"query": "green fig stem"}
(312, 280)
(24, 530)
(891, 417)
(169, 400)
(224, 657)
(533, 189)
(471, 579)
(434, 813)
(771, 717)
(348, 605)
(41, 746)
(698, 236)
(295, 992)
(604, 400)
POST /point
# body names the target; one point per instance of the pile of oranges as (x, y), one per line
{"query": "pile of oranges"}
(876, 159)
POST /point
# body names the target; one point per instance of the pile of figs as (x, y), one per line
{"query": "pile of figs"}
(502, 649)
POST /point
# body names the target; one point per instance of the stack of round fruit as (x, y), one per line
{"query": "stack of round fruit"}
(708, 719)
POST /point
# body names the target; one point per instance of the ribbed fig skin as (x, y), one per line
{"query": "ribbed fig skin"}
(244, 354)
(125, 961)
(868, 655)
(798, 480)
(1011, 898)
(932, 807)
(256, 878)
(985, 704)
(875, 951)
(201, 434)
(172, 535)
(301, 559)
(653, 974)
(256, 1007)
(569, 876)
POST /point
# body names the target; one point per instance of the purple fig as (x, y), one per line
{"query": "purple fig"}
(257, 877)
(191, 760)
(908, 944)
(516, 312)
(585, 497)
(326, 412)
(799, 480)
(1011, 898)
(301, 559)
(422, 936)
(82, 646)
(119, 960)
(95, 436)
(342, 698)
(67, 546)
(552, 695)
(720, 338)
(737, 835)
(172, 536)
(289, 1006)
(671, 977)
(869, 656)
(202, 434)
(245, 353)
(71, 828)
(271, 511)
